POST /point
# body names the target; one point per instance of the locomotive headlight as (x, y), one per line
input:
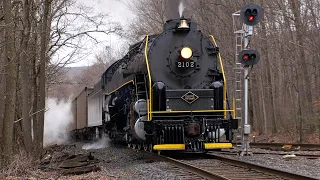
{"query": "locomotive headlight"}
(186, 53)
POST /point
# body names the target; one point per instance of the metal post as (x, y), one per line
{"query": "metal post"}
(245, 148)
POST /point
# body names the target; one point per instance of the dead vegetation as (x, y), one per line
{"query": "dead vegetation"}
(70, 164)
(56, 161)
(21, 166)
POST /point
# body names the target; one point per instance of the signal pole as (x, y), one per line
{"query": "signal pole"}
(251, 15)
(245, 144)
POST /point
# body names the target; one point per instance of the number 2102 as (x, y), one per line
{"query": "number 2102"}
(182, 64)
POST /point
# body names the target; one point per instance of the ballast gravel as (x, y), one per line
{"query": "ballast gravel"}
(299, 164)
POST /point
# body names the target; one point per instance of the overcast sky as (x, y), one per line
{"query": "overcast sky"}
(115, 8)
(117, 11)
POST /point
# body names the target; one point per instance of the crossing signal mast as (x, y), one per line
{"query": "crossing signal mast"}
(250, 15)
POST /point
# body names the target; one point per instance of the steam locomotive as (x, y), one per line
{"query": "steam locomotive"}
(168, 93)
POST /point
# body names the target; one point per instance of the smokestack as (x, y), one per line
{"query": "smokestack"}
(172, 9)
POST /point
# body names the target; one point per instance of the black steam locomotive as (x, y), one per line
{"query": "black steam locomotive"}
(168, 93)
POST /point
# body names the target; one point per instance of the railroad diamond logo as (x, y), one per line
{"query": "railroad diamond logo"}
(190, 97)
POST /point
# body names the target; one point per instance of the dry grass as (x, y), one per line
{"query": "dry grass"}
(21, 166)
(285, 137)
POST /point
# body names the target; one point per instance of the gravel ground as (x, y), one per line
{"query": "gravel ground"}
(116, 162)
(119, 162)
(298, 164)
(124, 163)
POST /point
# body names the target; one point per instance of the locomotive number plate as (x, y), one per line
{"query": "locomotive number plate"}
(186, 64)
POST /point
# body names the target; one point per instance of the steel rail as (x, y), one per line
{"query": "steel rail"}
(203, 171)
(273, 153)
(260, 168)
(196, 170)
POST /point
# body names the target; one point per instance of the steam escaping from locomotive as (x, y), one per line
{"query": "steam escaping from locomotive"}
(101, 143)
(56, 122)
(181, 8)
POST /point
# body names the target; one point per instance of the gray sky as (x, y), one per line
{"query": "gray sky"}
(115, 8)
(117, 12)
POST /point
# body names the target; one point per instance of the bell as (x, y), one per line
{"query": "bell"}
(183, 24)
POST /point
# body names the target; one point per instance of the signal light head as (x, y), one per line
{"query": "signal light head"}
(251, 14)
(249, 57)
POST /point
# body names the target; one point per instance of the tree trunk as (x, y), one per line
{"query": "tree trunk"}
(33, 68)
(26, 124)
(270, 80)
(265, 124)
(10, 78)
(302, 61)
(2, 87)
(42, 74)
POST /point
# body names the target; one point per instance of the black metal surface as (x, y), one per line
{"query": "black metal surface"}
(163, 57)
(159, 96)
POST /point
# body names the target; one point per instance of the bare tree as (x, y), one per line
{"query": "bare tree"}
(25, 77)
(42, 73)
(11, 78)
(2, 79)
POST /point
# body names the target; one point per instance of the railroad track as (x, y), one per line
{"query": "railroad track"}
(288, 146)
(211, 166)
(309, 156)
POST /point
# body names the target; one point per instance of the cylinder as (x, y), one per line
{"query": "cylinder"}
(141, 107)
(139, 128)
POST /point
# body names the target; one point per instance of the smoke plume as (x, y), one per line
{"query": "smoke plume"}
(172, 9)
(181, 8)
(56, 122)
(101, 143)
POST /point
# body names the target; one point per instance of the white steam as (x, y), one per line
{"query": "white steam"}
(181, 8)
(101, 143)
(56, 122)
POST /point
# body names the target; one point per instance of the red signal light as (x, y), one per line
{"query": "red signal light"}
(245, 57)
(251, 18)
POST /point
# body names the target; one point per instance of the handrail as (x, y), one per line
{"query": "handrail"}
(216, 111)
(149, 77)
(131, 81)
(234, 107)
(224, 79)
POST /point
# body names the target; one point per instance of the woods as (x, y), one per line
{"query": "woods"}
(32, 32)
(284, 86)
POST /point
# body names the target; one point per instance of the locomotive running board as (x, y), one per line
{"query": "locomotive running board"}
(169, 147)
(217, 145)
